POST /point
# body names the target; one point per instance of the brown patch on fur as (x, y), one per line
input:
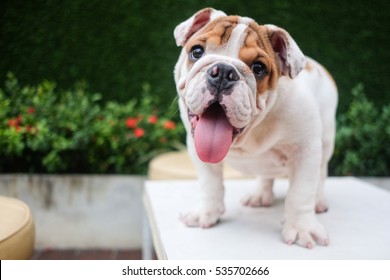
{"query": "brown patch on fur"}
(309, 66)
(257, 47)
(215, 34)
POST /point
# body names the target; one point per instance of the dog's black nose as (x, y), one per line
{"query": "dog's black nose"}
(222, 76)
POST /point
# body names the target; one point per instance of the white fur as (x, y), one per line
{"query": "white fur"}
(288, 132)
(236, 40)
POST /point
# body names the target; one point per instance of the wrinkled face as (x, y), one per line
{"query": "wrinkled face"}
(229, 62)
(227, 74)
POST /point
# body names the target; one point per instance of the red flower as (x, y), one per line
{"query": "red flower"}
(170, 125)
(139, 132)
(13, 122)
(153, 119)
(31, 110)
(131, 123)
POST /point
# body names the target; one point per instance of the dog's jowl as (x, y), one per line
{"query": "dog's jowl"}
(248, 96)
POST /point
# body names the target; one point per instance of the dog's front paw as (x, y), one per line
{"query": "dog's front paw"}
(264, 199)
(205, 218)
(305, 232)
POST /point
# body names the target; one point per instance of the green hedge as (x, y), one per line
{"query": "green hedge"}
(47, 130)
(116, 46)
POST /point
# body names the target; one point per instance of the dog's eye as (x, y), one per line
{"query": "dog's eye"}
(196, 52)
(259, 69)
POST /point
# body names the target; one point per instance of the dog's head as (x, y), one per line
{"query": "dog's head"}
(227, 75)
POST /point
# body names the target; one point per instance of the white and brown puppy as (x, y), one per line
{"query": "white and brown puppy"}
(248, 96)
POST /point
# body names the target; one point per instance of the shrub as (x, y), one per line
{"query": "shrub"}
(362, 138)
(45, 130)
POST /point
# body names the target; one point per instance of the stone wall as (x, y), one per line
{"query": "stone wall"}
(77, 211)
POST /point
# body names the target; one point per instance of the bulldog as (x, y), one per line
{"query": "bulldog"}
(248, 96)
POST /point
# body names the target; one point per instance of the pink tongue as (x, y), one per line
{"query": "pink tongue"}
(213, 135)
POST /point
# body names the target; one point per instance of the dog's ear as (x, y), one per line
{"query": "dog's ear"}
(186, 29)
(290, 58)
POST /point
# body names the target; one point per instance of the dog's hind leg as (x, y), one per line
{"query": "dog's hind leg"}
(262, 195)
(321, 204)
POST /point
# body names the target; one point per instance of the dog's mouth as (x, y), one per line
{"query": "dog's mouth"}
(213, 134)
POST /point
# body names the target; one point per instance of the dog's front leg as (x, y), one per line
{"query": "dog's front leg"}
(210, 178)
(301, 225)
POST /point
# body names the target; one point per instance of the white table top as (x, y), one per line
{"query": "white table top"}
(358, 223)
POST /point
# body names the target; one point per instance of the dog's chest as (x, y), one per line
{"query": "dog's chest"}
(273, 162)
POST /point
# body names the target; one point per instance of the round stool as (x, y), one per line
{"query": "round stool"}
(178, 166)
(17, 232)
